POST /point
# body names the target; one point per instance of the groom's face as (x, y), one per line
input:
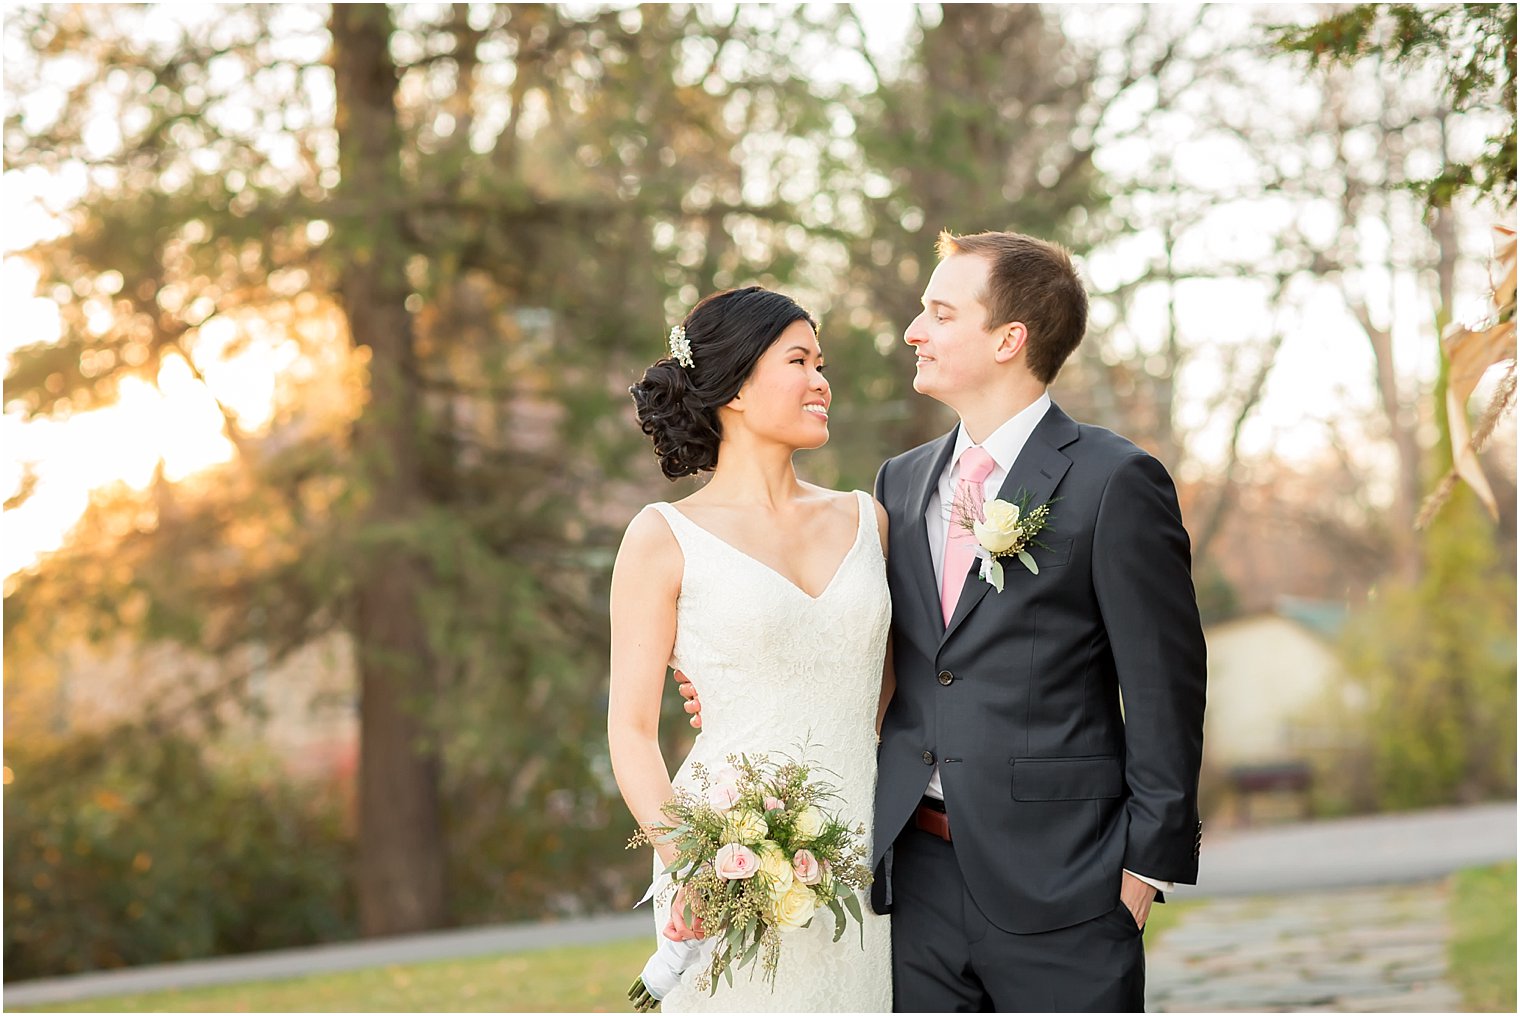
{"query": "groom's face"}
(954, 349)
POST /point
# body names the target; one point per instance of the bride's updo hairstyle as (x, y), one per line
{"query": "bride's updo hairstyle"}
(726, 334)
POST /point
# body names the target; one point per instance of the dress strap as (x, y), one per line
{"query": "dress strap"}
(680, 526)
(868, 521)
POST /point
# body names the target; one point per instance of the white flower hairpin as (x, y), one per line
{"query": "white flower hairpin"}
(680, 347)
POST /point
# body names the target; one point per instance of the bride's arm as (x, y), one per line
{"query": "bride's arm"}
(645, 582)
(888, 675)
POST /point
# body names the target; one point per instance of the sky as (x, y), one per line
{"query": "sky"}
(1323, 371)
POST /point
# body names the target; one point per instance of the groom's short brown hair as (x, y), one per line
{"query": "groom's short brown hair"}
(1031, 281)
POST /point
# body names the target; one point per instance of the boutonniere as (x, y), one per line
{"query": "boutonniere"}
(1007, 529)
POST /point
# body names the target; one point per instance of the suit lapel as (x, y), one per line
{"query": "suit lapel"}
(920, 564)
(1037, 471)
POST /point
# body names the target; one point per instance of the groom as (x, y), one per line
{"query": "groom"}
(1038, 770)
(1039, 759)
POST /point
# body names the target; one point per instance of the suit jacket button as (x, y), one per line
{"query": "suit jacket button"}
(928, 758)
(945, 677)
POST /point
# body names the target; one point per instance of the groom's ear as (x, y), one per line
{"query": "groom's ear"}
(1011, 340)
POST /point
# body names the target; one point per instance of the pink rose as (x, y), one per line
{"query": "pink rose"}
(723, 791)
(735, 860)
(723, 796)
(807, 868)
(774, 804)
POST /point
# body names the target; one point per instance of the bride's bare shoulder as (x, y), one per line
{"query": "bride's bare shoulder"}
(649, 544)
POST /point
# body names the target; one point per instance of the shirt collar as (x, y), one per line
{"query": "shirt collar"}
(1005, 443)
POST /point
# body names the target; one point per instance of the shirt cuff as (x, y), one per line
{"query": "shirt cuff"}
(1159, 886)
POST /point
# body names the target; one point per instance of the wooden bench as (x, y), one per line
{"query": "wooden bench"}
(1249, 781)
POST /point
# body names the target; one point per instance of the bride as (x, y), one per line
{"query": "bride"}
(771, 595)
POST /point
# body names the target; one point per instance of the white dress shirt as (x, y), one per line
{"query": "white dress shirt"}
(1004, 445)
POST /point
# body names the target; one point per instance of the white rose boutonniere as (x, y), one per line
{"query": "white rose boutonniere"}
(1006, 529)
(998, 533)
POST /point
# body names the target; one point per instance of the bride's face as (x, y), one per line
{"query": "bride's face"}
(786, 398)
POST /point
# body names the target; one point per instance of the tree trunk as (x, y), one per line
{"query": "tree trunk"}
(401, 847)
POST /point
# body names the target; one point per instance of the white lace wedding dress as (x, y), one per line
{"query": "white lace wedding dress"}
(777, 669)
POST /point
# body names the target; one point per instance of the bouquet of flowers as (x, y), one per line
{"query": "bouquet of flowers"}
(759, 856)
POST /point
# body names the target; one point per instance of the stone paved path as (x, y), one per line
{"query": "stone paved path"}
(1348, 950)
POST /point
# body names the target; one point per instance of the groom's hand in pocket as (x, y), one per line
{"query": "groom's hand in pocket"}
(693, 703)
(1137, 895)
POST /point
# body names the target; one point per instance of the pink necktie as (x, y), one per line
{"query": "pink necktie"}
(960, 544)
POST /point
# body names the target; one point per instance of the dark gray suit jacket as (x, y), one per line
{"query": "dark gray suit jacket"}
(1051, 790)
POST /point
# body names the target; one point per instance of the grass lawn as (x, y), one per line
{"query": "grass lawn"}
(576, 979)
(1482, 948)
(1162, 917)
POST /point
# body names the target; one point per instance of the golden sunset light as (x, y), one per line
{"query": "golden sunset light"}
(972, 507)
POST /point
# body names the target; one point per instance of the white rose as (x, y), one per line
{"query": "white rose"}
(809, 823)
(777, 867)
(796, 907)
(744, 826)
(999, 530)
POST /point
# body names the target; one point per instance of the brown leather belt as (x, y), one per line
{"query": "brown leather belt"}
(933, 821)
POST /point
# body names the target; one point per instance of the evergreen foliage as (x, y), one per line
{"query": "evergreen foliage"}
(1473, 44)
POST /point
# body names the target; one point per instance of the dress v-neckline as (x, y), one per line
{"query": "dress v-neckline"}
(860, 527)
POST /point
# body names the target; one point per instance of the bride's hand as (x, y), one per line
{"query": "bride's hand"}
(676, 929)
(693, 703)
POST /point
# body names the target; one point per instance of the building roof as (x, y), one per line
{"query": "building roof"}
(1326, 618)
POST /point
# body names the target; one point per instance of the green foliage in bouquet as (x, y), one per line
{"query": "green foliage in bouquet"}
(758, 855)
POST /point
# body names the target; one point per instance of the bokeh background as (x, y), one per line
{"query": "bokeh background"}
(317, 445)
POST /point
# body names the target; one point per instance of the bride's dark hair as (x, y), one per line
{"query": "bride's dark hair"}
(678, 406)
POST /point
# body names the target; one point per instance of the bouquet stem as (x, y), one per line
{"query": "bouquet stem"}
(642, 1000)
